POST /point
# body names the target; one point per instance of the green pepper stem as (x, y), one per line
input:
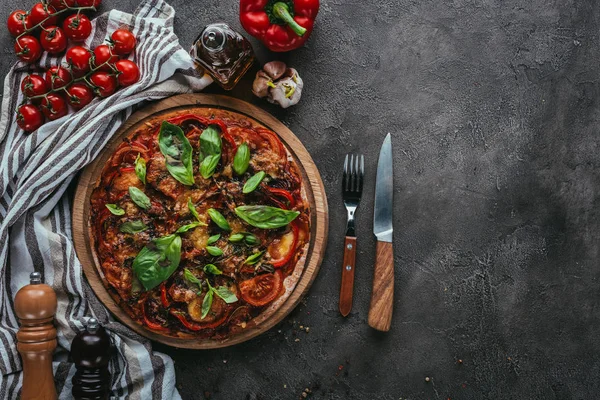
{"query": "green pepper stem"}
(281, 10)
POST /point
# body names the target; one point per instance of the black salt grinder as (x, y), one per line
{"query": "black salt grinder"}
(91, 352)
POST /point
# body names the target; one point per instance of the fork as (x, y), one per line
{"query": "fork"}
(352, 185)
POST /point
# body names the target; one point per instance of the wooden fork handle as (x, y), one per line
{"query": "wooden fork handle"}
(347, 287)
(382, 297)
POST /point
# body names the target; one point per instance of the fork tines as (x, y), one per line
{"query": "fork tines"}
(354, 172)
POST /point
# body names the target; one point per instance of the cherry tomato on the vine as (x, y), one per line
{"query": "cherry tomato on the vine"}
(79, 95)
(77, 27)
(104, 83)
(123, 41)
(78, 58)
(54, 106)
(33, 85)
(129, 73)
(88, 3)
(62, 4)
(18, 22)
(103, 55)
(53, 40)
(29, 117)
(28, 48)
(57, 77)
(39, 12)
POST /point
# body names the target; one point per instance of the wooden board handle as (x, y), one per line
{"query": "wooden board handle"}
(348, 266)
(382, 297)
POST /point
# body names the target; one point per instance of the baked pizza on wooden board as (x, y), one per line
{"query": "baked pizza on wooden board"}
(203, 225)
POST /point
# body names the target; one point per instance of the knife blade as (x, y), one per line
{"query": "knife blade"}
(384, 193)
(382, 295)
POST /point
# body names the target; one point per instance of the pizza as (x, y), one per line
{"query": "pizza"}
(200, 223)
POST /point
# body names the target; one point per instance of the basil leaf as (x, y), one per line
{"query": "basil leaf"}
(210, 150)
(156, 262)
(251, 240)
(266, 217)
(254, 258)
(218, 219)
(206, 304)
(187, 274)
(115, 209)
(193, 210)
(133, 227)
(214, 251)
(139, 197)
(187, 227)
(241, 160)
(213, 238)
(252, 183)
(224, 293)
(236, 237)
(177, 151)
(140, 168)
(212, 269)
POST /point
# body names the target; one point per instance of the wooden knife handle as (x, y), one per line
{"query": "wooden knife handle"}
(347, 286)
(382, 297)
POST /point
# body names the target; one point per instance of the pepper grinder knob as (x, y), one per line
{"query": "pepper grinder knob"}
(91, 351)
(35, 306)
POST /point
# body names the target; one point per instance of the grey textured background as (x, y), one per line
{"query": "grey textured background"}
(493, 108)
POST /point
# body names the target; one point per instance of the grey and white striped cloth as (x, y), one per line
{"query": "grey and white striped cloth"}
(36, 171)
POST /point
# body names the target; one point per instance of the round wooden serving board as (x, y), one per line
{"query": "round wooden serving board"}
(315, 194)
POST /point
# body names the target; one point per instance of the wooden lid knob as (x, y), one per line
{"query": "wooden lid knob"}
(36, 300)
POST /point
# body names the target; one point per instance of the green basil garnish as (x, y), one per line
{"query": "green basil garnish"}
(227, 295)
(115, 209)
(241, 160)
(218, 219)
(187, 274)
(139, 197)
(236, 237)
(266, 217)
(210, 150)
(187, 227)
(177, 151)
(213, 238)
(193, 210)
(254, 258)
(252, 183)
(140, 168)
(251, 240)
(156, 262)
(221, 291)
(212, 269)
(214, 251)
(207, 303)
(133, 227)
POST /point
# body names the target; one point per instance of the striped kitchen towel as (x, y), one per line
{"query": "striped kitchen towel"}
(36, 171)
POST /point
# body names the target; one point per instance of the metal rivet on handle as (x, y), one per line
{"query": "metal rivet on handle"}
(348, 268)
(349, 246)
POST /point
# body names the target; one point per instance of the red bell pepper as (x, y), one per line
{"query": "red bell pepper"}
(282, 25)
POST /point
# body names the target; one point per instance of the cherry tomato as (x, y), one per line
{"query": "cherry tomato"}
(282, 250)
(39, 12)
(18, 22)
(29, 117)
(57, 77)
(53, 40)
(62, 4)
(123, 41)
(28, 49)
(77, 27)
(262, 289)
(79, 95)
(129, 73)
(78, 58)
(54, 106)
(88, 3)
(103, 54)
(105, 83)
(33, 85)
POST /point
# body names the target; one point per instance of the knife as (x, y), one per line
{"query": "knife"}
(382, 296)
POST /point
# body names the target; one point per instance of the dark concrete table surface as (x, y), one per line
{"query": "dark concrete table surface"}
(493, 107)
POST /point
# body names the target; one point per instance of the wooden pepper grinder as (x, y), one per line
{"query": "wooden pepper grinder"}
(91, 351)
(35, 306)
